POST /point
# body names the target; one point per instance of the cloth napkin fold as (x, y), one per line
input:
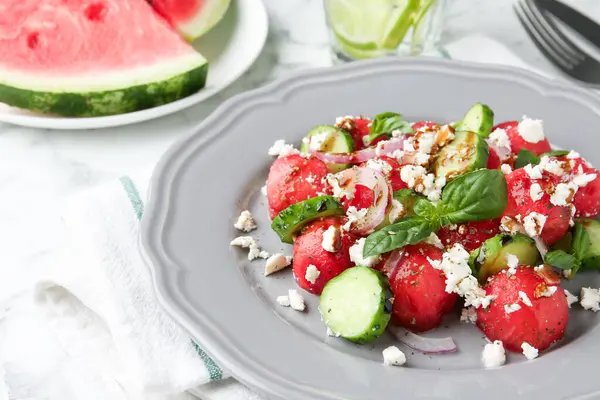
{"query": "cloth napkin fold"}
(98, 299)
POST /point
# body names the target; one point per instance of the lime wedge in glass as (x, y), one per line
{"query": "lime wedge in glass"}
(365, 27)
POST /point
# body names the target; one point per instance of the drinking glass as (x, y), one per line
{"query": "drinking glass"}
(374, 28)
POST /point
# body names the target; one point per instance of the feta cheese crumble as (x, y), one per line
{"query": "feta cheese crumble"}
(468, 315)
(525, 299)
(396, 211)
(549, 291)
(353, 216)
(339, 191)
(379, 165)
(455, 265)
(296, 301)
(263, 190)
(534, 171)
(356, 255)
(590, 299)
(583, 179)
(536, 192)
(506, 169)
(573, 154)
(529, 351)
(276, 262)
(417, 178)
(434, 240)
(500, 138)
(245, 222)
(331, 239)
(563, 194)
(248, 242)
(493, 354)
(571, 298)
(512, 262)
(316, 142)
(393, 356)
(511, 308)
(312, 274)
(555, 167)
(280, 149)
(283, 301)
(534, 223)
(532, 130)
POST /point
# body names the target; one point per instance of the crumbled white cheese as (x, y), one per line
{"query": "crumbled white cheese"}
(412, 175)
(245, 222)
(396, 211)
(317, 141)
(263, 254)
(455, 265)
(422, 158)
(283, 301)
(296, 301)
(426, 142)
(331, 239)
(506, 169)
(434, 240)
(417, 178)
(379, 165)
(534, 171)
(566, 273)
(276, 262)
(500, 138)
(409, 144)
(396, 133)
(511, 308)
(343, 122)
(529, 351)
(468, 315)
(339, 191)
(582, 179)
(573, 154)
(281, 149)
(552, 166)
(310, 179)
(353, 216)
(263, 190)
(525, 299)
(312, 274)
(549, 291)
(247, 242)
(393, 356)
(531, 130)
(493, 355)
(512, 262)
(536, 192)
(590, 299)
(571, 298)
(534, 223)
(356, 255)
(563, 194)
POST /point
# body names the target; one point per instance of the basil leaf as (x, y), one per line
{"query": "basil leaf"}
(560, 259)
(408, 198)
(424, 208)
(385, 123)
(410, 230)
(526, 157)
(556, 153)
(474, 196)
(581, 241)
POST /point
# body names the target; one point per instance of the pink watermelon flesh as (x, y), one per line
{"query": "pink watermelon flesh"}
(63, 37)
(177, 11)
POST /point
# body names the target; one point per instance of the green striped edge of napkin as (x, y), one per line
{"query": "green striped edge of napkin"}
(137, 203)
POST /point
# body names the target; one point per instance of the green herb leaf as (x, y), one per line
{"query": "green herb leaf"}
(561, 259)
(385, 123)
(526, 157)
(424, 208)
(579, 247)
(474, 196)
(408, 199)
(408, 231)
(556, 153)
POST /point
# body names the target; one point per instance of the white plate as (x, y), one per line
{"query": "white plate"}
(231, 48)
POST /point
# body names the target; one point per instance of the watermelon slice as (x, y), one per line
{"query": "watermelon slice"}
(92, 57)
(191, 18)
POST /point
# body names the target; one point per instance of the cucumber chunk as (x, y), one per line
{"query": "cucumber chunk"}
(357, 304)
(591, 258)
(490, 257)
(479, 120)
(329, 139)
(289, 221)
(465, 153)
(408, 199)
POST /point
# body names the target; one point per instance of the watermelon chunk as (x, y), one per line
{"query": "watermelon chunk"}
(191, 18)
(92, 57)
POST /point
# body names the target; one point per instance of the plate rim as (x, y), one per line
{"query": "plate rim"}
(252, 372)
(111, 121)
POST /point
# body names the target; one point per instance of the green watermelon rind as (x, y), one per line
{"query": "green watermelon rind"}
(114, 101)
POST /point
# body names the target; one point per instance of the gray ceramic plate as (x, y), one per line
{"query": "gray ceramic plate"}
(222, 299)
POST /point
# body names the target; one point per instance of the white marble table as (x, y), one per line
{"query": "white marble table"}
(39, 169)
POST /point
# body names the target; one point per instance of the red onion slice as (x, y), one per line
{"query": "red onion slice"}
(381, 149)
(420, 343)
(392, 262)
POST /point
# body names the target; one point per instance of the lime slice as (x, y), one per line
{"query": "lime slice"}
(364, 26)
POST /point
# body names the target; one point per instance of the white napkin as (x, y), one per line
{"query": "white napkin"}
(100, 308)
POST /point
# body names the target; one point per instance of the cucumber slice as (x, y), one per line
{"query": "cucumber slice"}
(357, 304)
(329, 139)
(465, 153)
(479, 120)
(292, 219)
(591, 258)
(495, 250)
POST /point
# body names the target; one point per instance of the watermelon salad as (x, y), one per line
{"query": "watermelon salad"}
(395, 224)
(101, 57)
